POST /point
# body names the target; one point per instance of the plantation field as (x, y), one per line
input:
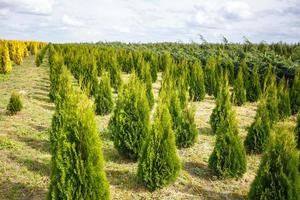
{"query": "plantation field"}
(25, 156)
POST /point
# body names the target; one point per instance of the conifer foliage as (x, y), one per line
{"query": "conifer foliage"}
(129, 124)
(196, 82)
(284, 104)
(254, 88)
(278, 175)
(272, 99)
(159, 163)
(259, 131)
(295, 94)
(5, 62)
(103, 99)
(15, 104)
(297, 130)
(239, 91)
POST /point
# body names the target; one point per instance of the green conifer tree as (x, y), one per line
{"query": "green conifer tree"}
(6, 65)
(297, 130)
(259, 132)
(147, 79)
(103, 100)
(196, 82)
(295, 93)
(254, 90)
(284, 104)
(129, 124)
(210, 82)
(15, 104)
(272, 100)
(239, 91)
(278, 176)
(159, 164)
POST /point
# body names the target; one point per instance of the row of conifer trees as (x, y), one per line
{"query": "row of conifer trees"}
(15, 51)
(154, 145)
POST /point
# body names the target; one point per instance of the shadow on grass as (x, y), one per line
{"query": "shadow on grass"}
(112, 155)
(205, 131)
(41, 93)
(40, 145)
(48, 107)
(123, 179)
(213, 195)
(44, 88)
(17, 190)
(45, 99)
(199, 170)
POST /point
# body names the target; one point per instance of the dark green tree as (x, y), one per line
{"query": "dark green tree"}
(159, 163)
(272, 100)
(210, 82)
(103, 100)
(278, 176)
(284, 104)
(239, 91)
(129, 124)
(15, 104)
(254, 90)
(297, 130)
(259, 132)
(196, 82)
(147, 79)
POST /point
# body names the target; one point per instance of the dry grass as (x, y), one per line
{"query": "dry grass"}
(25, 158)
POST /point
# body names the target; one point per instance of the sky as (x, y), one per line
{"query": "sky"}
(150, 20)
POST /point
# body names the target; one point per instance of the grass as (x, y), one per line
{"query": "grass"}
(25, 157)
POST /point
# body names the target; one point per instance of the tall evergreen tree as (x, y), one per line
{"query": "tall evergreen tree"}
(223, 106)
(297, 130)
(103, 100)
(210, 82)
(159, 163)
(284, 104)
(228, 158)
(272, 100)
(295, 94)
(77, 160)
(259, 132)
(129, 124)
(196, 82)
(254, 90)
(278, 176)
(5, 64)
(147, 79)
(239, 91)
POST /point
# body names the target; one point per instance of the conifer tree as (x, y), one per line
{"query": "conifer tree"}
(210, 82)
(15, 104)
(115, 73)
(77, 162)
(147, 79)
(297, 130)
(103, 99)
(259, 132)
(228, 158)
(254, 90)
(18, 57)
(272, 100)
(284, 104)
(278, 176)
(239, 91)
(196, 82)
(246, 76)
(295, 93)
(129, 124)
(223, 106)
(6, 65)
(159, 164)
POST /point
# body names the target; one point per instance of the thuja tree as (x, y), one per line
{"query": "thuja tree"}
(115, 73)
(103, 100)
(159, 164)
(228, 158)
(284, 104)
(295, 94)
(246, 75)
(259, 132)
(5, 62)
(272, 100)
(223, 106)
(77, 164)
(278, 175)
(145, 76)
(129, 125)
(183, 120)
(196, 82)
(210, 75)
(254, 89)
(239, 91)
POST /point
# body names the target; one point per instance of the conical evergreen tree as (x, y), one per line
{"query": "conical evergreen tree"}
(147, 79)
(272, 100)
(228, 158)
(223, 106)
(77, 160)
(103, 100)
(210, 82)
(129, 124)
(284, 104)
(239, 91)
(246, 75)
(196, 82)
(159, 163)
(254, 90)
(278, 176)
(259, 132)
(115, 73)
(6, 65)
(295, 94)
(18, 57)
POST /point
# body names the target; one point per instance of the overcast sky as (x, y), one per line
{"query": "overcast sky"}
(150, 20)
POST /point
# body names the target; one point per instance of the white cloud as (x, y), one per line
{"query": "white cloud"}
(42, 7)
(70, 21)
